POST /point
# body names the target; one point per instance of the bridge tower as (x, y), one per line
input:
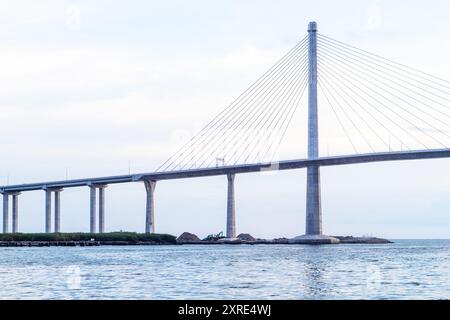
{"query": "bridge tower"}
(313, 205)
(313, 226)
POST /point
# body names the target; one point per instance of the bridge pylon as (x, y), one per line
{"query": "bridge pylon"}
(313, 232)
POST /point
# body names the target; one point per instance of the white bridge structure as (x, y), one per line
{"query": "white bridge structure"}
(376, 102)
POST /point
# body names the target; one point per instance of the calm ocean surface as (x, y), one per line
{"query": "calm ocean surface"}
(406, 269)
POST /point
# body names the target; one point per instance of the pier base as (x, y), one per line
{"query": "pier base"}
(228, 240)
(314, 239)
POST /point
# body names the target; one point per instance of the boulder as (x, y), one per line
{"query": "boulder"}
(280, 240)
(187, 237)
(245, 237)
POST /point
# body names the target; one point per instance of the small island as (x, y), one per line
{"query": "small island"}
(136, 239)
(84, 239)
(245, 238)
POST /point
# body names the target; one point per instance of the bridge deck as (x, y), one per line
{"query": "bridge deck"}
(247, 168)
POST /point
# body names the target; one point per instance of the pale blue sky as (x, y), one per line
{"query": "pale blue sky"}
(90, 86)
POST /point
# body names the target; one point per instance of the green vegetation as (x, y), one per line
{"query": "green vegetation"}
(111, 236)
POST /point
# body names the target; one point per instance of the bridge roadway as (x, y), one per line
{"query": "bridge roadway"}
(231, 170)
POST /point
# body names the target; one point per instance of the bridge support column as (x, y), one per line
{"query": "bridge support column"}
(15, 212)
(231, 214)
(93, 209)
(101, 208)
(48, 211)
(5, 212)
(313, 202)
(150, 186)
(57, 210)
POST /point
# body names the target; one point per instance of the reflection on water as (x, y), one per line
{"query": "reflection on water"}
(406, 269)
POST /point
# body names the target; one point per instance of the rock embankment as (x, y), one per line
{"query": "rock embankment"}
(361, 240)
(187, 237)
(245, 238)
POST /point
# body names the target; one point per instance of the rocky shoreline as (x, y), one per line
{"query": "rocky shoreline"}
(119, 238)
(189, 238)
(361, 240)
(286, 241)
(49, 243)
(184, 239)
(79, 243)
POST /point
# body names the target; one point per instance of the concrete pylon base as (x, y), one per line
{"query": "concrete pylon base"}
(228, 239)
(314, 239)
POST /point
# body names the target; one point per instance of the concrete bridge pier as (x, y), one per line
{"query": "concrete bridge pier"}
(313, 234)
(15, 212)
(150, 186)
(313, 202)
(48, 209)
(57, 193)
(93, 208)
(231, 213)
(5, 212)
(101, 208)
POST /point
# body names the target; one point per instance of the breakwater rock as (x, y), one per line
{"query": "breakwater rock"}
(361, 240)
(245, 238)
(187, 237)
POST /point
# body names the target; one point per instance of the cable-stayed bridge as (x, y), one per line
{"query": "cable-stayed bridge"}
(383, 110)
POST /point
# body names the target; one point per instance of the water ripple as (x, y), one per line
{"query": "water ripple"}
(403, 270)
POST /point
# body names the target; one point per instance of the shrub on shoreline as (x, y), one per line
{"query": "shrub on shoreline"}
(110, 236)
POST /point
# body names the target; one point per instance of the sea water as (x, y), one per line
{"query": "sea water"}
(406, 269)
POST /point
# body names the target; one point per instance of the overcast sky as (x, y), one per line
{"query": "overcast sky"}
(94, 88)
